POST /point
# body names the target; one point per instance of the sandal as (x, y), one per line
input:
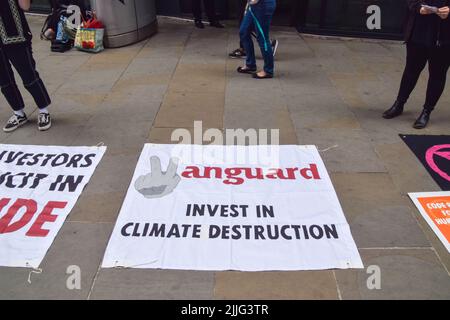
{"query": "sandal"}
(266, 76)
(246, 70)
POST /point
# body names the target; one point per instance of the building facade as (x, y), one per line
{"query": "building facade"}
(359, 18)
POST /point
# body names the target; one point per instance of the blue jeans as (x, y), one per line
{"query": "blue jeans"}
(258, 18)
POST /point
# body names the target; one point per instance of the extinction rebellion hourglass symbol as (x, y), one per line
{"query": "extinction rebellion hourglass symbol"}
(436, 152)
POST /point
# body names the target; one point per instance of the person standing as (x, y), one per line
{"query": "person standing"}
(15, 50)
(210, 12)
(258, 17)
(239, 53)
(427, 41)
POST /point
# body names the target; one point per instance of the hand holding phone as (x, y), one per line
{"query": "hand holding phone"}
(425, 9)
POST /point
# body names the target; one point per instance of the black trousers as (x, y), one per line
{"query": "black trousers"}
(21, 57)
(209, 7)
(438, 64)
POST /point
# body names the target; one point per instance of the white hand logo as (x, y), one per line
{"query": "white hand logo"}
(158, 184)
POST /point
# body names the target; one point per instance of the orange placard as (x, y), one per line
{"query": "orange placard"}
(438, 210)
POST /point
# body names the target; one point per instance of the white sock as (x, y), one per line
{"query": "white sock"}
(44, 110)
(19, 113)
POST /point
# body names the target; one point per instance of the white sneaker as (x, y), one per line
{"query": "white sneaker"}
(15, 122)
(44, 121)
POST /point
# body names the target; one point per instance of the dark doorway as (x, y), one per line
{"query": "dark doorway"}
(287, 13)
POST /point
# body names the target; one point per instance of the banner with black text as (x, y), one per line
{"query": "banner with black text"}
(39, 186)
(201, 208)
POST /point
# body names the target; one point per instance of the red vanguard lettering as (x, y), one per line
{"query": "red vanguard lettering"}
(30, 207)
(237, 176)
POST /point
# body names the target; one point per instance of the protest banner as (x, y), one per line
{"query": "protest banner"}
(435, 209)
(193, 213)
(39, 186)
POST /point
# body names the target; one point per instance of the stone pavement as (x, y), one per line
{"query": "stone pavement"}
(327, 92)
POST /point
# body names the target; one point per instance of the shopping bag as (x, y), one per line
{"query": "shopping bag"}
(89, 39)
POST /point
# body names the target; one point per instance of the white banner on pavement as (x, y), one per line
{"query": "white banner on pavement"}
(208, 211)
(39, 186)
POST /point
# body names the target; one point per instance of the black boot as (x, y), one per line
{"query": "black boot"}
(423, 119)
(394, 111)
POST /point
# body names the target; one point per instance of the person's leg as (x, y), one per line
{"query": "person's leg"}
(197, 9)
(23, 61)
(240, 52)
(416, 60)
(210, 8)
(8, 84)
(262, 14)
(246, 39)
(12, 94)
(438, 65)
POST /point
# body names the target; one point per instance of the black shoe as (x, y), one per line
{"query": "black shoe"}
(44, 121)
(15, 122)
(394, 111)
(216, 24)
(199, 24)
(246, 70)
(275, 44)
(423, 119)
(238, 54)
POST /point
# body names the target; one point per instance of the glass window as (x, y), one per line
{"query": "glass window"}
(349, 17)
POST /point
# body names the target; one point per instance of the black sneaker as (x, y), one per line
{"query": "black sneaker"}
(199, 24)
(275, 44)
(237, 54)
(44, 121)
(15, 122)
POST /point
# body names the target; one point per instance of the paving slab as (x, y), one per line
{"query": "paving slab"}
(275, 285)
(406, 171)
(344, 150)
(77, 244)
(181, 109)
(153, 285)
(378, 216)
(405, 274)
(199, 78)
